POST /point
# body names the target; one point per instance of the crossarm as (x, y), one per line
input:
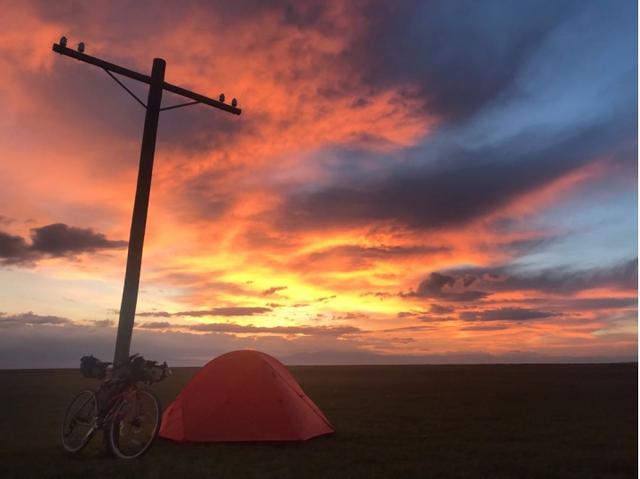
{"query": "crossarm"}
(143, 78)
(201, 98)
(101, 63)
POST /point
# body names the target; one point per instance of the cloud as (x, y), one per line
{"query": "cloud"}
(222, 311)
(559, 280)
(104, 323)
(583, 305)
(234, 328)
(439, 309)
(438, 45)
(286, 330)
(457, 186)
(156, 325)
(14, 250)
(56, 240)
(510, 130)
(376, 252)
(380, 142)
(425, 317)
(454, 285)
(446, 288)
(351, 315)
(507, 314)
(272, 290)
(31, 319)
(52, 341)
(590, 304)
(485, 327)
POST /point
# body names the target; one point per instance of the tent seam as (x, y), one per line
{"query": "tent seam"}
(303, 397)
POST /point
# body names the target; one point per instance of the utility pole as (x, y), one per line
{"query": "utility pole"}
(139, 219)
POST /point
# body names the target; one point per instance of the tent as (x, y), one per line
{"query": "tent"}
(243, 396)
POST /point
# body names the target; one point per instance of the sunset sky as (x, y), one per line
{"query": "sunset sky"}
(436, 182)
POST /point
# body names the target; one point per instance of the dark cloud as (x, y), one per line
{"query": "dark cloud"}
(222, 311)
(14, 250)
(486, 327)
(233, 328)
(601, 303)
(104, 323)
(446, 288)
(59, 239)
(381, 295)
(406, 328)
(584, 304)
(156, 325)
(56, 239)
(471, 167)
(462, 185)
(439, 309)
(251, 329)
(463, 54)
(426, 317)
(324, 299)
(507, 314)
(272, 290)
(287, 330)
(154, 314)
(454, 285)
(31, 319)
(351, 315)
(554, 280)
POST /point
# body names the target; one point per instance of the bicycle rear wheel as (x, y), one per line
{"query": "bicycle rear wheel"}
(80, 421)
(135, 425)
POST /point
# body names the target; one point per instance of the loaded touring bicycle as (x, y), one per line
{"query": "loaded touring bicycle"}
(128, 414)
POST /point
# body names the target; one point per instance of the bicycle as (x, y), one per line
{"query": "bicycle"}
(128, 414)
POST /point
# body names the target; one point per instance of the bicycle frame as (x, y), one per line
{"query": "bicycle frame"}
(116, 406)
(128, 394)
(101, 420)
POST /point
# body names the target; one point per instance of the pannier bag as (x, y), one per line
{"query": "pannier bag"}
(146, 371)
(92, 367)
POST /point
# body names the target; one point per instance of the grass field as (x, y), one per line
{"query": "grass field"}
(503, 421)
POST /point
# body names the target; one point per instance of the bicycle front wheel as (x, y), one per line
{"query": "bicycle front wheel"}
(80, 421)
(135, 424)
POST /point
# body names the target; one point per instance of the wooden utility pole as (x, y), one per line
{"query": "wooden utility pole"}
(139, 219)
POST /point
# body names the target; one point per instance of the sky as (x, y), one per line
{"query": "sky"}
(409, 182)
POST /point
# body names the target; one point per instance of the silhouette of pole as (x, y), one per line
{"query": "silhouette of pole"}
(139, 218)
(143, 188)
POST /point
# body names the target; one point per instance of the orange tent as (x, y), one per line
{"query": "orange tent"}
(243, 396)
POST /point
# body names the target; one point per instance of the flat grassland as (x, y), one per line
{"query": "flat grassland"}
(494, 421)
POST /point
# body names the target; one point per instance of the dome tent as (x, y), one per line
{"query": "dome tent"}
(243, 396)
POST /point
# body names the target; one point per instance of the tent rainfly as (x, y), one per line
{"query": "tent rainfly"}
(243, 396)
